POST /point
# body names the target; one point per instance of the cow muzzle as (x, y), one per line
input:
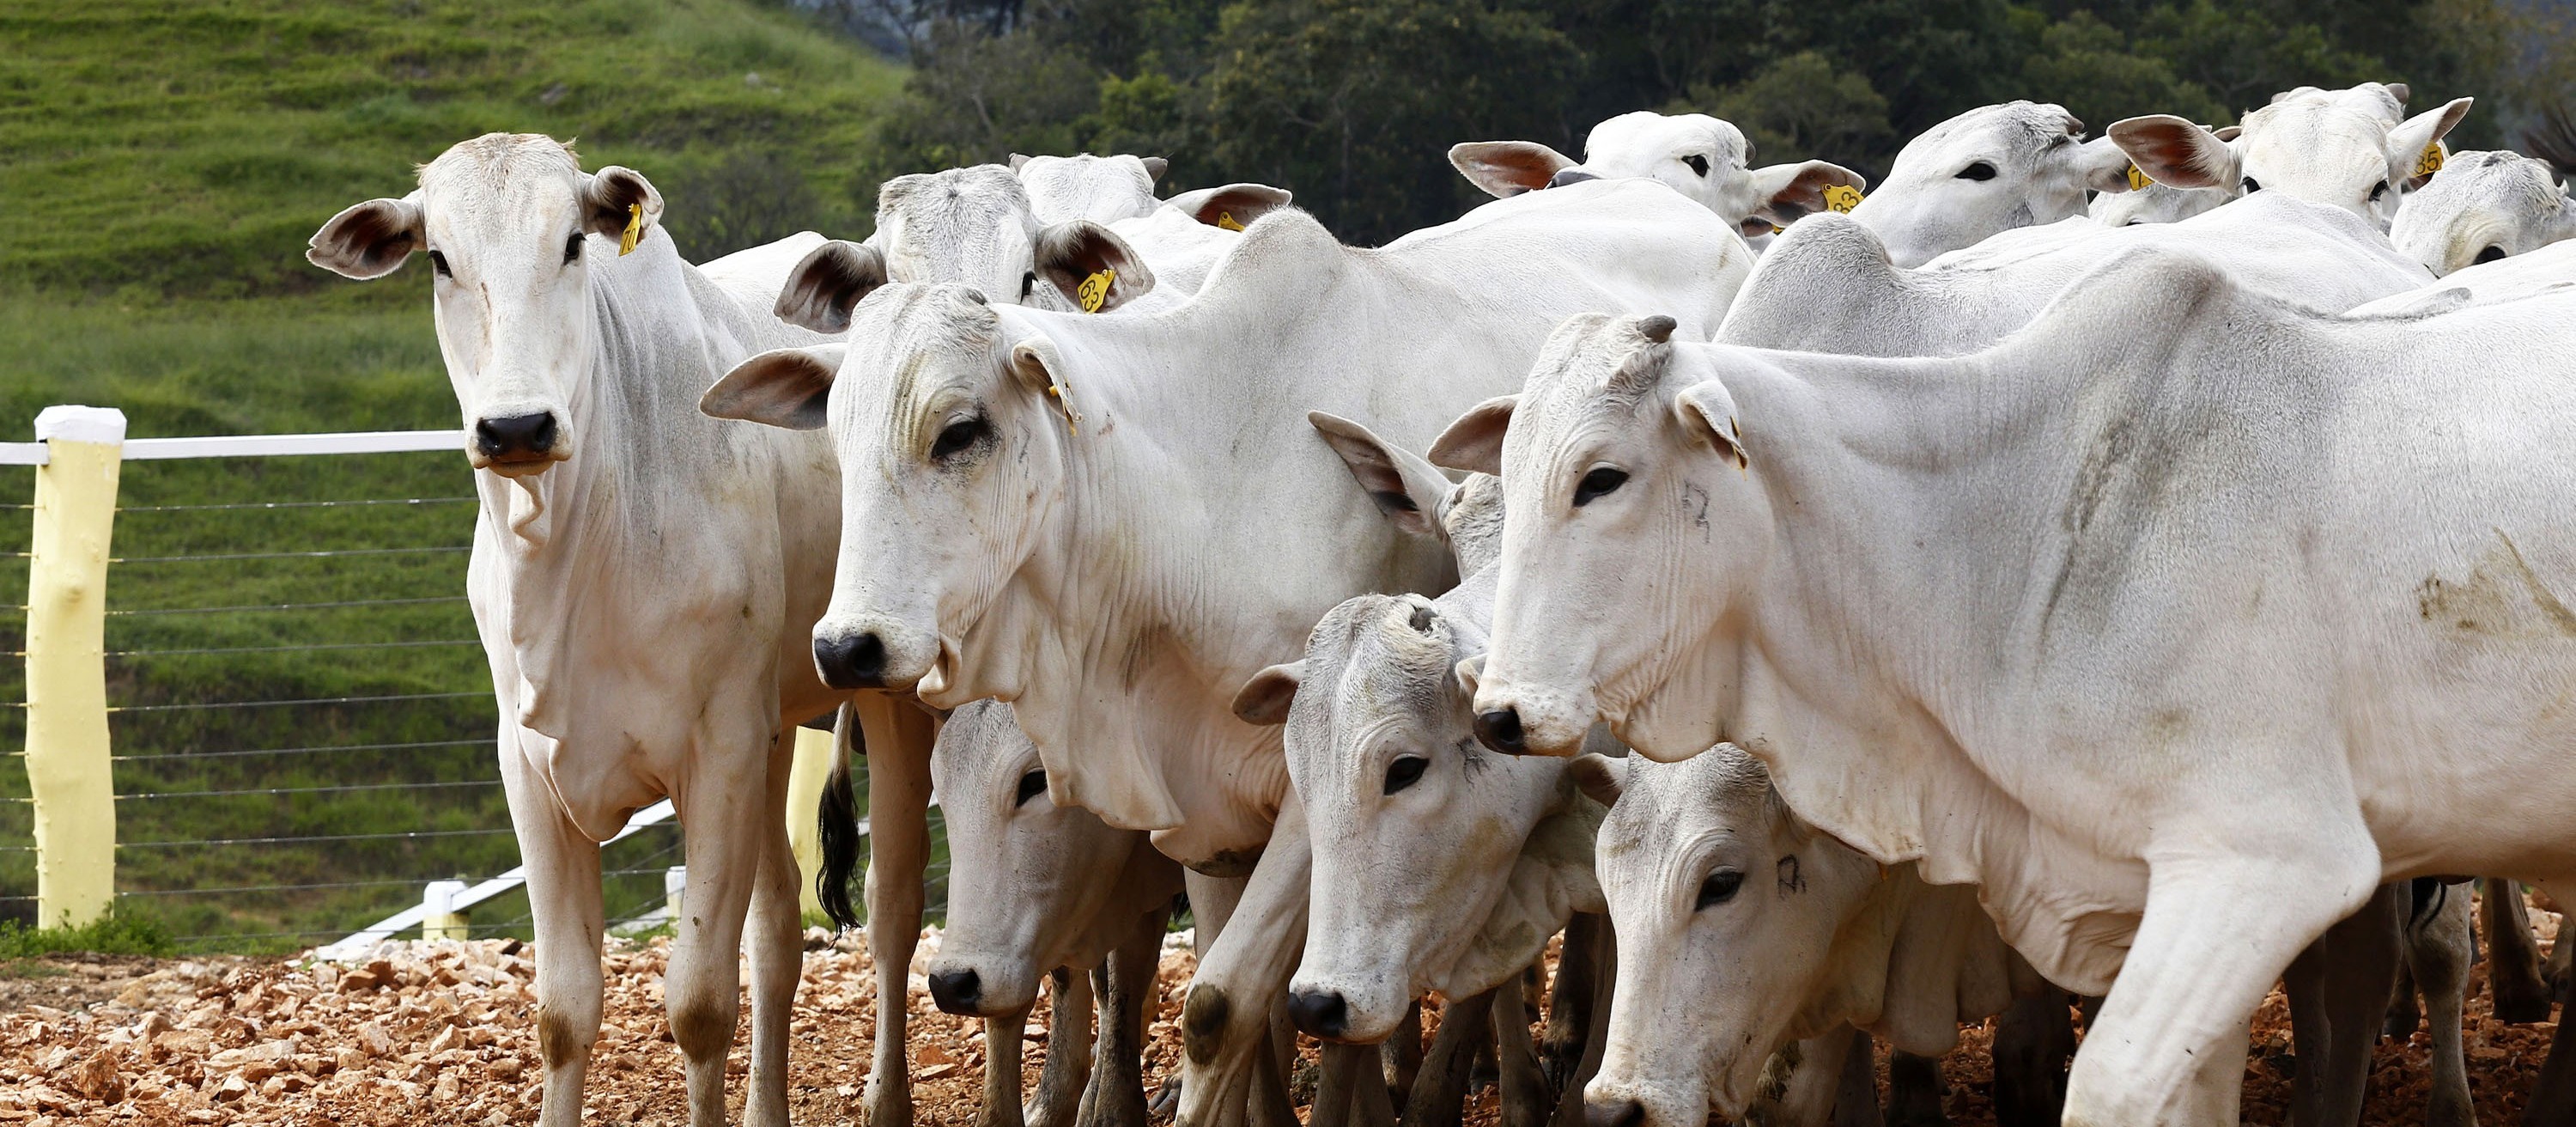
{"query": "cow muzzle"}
(518, 444)
(1319, 1013)
(1521, 721)
(873, 654)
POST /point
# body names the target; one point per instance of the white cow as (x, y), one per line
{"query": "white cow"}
(1036, 889)
(2353, 148)
(1994, 168)
(1041, 524)
(1742, 930)
(2160, 203)
(2480, 207)
(643, 578)
(1699, 156)
(1828, 284)
(2144, 620)
(2514, 278)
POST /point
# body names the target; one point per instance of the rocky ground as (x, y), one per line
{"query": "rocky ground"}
(442, 1033)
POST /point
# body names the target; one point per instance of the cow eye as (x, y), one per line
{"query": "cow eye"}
(572, 248)
(2251, 185)
(1601, 480)
(957, 436)
(1028, 284)
(438, 262)
(2379, 191)
(2490, 254)
(1718, 888)
(1698, 164)
(1977, 171)
(1404, 772)
(1032, 785)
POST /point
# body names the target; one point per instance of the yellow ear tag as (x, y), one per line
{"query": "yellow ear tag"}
(1776, 228)
(2431, 161)
(1094, 290)
(634, 230)
(1225, 222)
(1841, 197)
(1072, 418)
(2138, 181)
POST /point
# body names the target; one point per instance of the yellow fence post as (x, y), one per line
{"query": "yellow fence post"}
(67, 759)
(439, 918)
(813, 764)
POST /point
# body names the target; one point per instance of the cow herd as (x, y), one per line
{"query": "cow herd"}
(2129, 570)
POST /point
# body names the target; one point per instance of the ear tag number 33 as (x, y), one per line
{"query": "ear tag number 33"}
(1841, 197)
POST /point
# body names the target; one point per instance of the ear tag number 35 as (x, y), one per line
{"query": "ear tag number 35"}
(2431, 161)
(1841, 197)
(1094, 290)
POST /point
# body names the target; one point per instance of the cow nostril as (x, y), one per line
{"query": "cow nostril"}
(1613, 1113)
(1501, 731)
(515, 434)
(957, 991)
(1320, 1013)
(1565, 176)
(851, 663)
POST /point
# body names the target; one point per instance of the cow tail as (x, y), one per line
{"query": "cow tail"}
(837, 822)
(2430, 896)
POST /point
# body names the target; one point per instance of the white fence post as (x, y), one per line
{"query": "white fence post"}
(67, 753)
(439, 918)
(675, 880)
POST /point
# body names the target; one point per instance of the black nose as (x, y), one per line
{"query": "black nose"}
(1565, 176)
(515, 434)
(1320, 1013)
(1613, 1113)
(1501, 731)
(851, 663)
(957, 991)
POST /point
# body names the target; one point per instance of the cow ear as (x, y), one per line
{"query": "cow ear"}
(1708, 412)
(1018, 161)
(1465, 673)
(611, 198)
(1507, 168)
(369, 240)
(1071, 254)
(831, 280)
(1599, 777)
(2399, 91)
(2176, 153)
(1264, 699)
(2228, 132)
(1474, 443)
(2408, 142)
(2102, 165)
(1785, 192)
(783, 387)
(1404, 487)
(1232, 206)
(1155, 167)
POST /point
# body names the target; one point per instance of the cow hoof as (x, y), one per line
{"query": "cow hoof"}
(1167, 1099)
(888, 1105)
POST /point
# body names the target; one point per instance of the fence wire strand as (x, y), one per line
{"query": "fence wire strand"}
(351, 788)
(121, 510)
(251, 607)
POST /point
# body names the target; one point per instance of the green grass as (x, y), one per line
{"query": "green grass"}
(116, 934)
(166, 163)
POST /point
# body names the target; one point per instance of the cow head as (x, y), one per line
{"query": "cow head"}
(514, 229)
(1633, 535)
(2160, 203)
(1991, 169)
(974, 226)
(2343, 148)
(2481, 207)
(1728, 910)
(1103, 189)
(951, 427)
(1026, 876)
(1699, 156)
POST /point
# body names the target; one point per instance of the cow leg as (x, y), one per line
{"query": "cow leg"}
(1523, 1083)
(1064, 1081)
(1439, 1095)
(2513, 957)
(1116, 1095)
(1569, 1010)
(1602, 968)
(565, 903)
(2438, 945)
(1915, 1090)
(1002, 1071)
(1856, 1096)
(2553, 1094)
(2555, 970)
(725, 834)
(2338, 988)
(899, 735)
(1401, 1054)
(1229, 1067)
(775, 943)
(2169, 1047)
(2401, 1017)
(2033, 1041)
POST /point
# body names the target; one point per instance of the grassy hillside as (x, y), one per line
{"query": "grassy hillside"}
(165, 163)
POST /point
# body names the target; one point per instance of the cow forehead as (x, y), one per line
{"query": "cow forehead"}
(1591, 369)
(980, 747)
(908, 343)
(1375, 659)
(501, 184)
(2013, 131)
(1102, 188)
(956, 226)
(1629, 144)
(1719, 791)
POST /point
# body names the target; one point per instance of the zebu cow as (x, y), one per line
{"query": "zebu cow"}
(1037, 890)
(1697, 155)
(642, 577)
(2160, 203)
(2514, 278)
(2483, 206)
(2352, 149)
(1994, 168)
(1039, 525)
(1742, 929)
(2143, 620)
